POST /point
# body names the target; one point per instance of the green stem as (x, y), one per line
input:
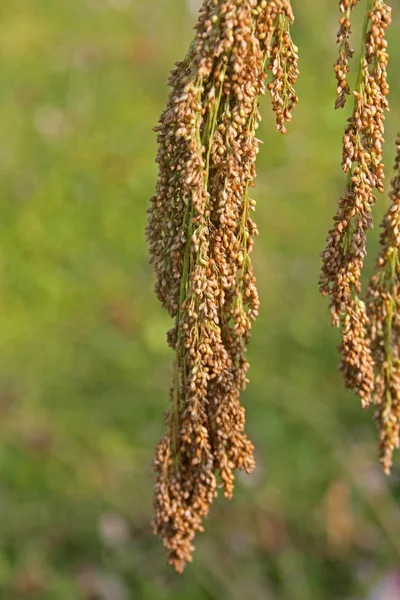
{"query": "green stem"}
(358, 88)
(359, 81)
(180, 360)
(388, 368)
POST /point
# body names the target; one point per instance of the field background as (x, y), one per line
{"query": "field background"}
(84, 366)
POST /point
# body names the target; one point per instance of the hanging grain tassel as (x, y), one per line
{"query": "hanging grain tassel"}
(201, 235)
(346, 243)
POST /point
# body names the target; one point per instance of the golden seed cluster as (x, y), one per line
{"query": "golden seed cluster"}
(383, 305)
(362, 162)
(201, 235)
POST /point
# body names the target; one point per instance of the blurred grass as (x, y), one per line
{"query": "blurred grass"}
(84, 367)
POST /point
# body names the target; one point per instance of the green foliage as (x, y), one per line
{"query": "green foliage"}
(84, 366)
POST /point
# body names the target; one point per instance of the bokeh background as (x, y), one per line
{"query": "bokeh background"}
(84, 365)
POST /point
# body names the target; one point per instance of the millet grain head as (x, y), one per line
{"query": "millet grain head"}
(201, 235)
(343, 258)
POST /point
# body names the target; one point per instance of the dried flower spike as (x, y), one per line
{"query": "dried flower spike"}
(346, 243)
(201, 236)
(383, 305)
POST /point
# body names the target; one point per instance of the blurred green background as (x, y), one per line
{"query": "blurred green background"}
(84, 365)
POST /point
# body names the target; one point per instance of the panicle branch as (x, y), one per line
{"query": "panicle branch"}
(383, 305)
(362, 162)
(346, 52)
